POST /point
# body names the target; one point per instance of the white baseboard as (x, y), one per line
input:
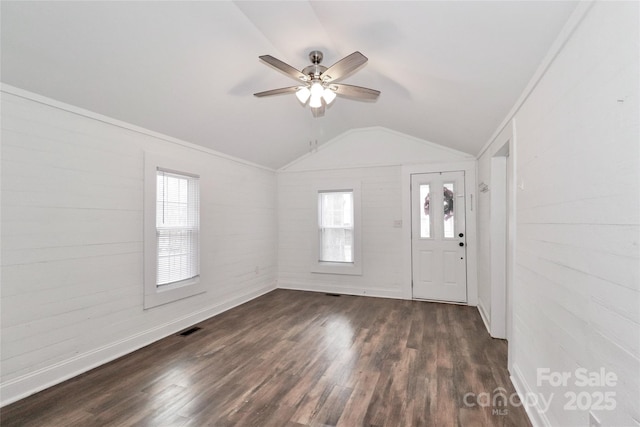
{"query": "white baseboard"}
(379, 293)
(33, 382)
(536, 415)
(483, 315)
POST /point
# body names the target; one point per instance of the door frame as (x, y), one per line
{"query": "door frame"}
(504, 160)
(469, 168)
(499, 234)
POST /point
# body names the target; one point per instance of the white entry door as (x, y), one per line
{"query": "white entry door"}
(438, 236)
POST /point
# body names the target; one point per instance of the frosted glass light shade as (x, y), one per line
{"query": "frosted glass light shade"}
(303, 94)
(328, 96)
(316, 89)
(316, 101)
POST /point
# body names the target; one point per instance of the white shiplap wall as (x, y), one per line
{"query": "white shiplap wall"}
(577, 280)
(374, 146)
(381, 241)
(72, 260)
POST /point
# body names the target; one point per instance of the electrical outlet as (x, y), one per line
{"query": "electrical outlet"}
(593, 421)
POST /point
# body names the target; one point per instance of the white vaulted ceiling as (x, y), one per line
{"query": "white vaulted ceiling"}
(448, 71)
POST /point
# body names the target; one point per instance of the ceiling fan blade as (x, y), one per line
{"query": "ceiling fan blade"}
(344, 67)
(358, 92)
(284, 67)
(318, 112)
(291, 89)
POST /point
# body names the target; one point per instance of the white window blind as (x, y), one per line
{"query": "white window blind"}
(336, 226)
(177, 227)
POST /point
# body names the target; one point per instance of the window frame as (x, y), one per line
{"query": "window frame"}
(330, 267)
(155, 295)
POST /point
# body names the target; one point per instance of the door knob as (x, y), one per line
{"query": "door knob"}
(461, 244)
(460, 235)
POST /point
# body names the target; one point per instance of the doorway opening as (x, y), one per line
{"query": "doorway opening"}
(502, 238)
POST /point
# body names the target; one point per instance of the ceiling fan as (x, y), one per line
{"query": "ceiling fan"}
(318, 83)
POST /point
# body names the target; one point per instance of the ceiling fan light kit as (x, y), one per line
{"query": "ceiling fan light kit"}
(303, 94)
(328, 95)
(319, 84)
(315, 101)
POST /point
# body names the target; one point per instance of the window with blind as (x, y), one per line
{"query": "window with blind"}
(172, 233)
(335, 226)
(337, 230)
(177, 228)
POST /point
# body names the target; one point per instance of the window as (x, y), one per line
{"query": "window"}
(336, 226)
(447, 209)
(425, 218)
(171, 230)
(448, 214)
(337, 229)
(177, 228)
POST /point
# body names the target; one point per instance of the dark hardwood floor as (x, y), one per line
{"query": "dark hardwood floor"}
(292, 358)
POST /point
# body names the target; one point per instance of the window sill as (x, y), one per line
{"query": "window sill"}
(346, 268)
(178, 285)
(173, 292)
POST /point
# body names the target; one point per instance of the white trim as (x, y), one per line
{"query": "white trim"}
(565, 34)
(469, 167)
(498, 251)
(367, 129)
(33, 382)
(511, 240)
(356, 291)
(483, 314)
(21, 93)
(536, 415)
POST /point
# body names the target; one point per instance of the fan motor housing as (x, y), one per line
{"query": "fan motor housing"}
(314, 70)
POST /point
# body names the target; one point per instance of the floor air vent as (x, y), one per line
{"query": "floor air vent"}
(189, 331)
(332, 295)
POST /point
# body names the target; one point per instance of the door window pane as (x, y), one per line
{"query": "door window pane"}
(448, 200)
(425, 220)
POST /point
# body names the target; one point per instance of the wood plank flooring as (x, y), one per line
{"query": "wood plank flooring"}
(292, 358)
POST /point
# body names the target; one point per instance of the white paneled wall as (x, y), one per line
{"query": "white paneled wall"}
(381, 240)
(374, 146)
(577, 278)
(72, 260)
